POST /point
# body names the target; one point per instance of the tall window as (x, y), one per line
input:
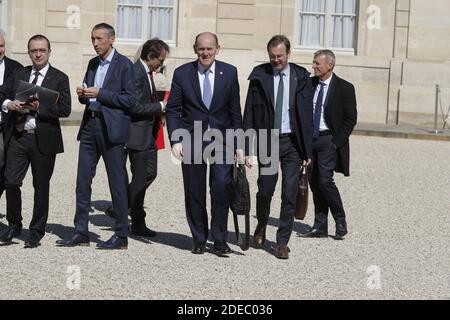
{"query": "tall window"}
(3, 14)
(139, 20)
(326, 23)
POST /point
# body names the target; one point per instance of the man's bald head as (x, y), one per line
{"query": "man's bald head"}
(2, 44)
(204, 35)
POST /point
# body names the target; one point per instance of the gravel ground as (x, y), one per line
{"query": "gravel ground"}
(398, 208)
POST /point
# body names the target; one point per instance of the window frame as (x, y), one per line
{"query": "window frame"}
(4, 15)
(328, 28)
(145, 22)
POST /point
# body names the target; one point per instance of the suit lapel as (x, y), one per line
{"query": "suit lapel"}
(292, 87)
(219, 84)
(111, 68)
(145, 76)
(48, 76)
(329, 92)
(196, 84)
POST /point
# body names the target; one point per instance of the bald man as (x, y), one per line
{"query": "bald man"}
(205, 92)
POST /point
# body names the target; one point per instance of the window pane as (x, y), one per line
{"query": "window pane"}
(129, 21)
(343, 32)
(1, 14)
(311, 30)
(343, 23)
(125, 2)
(160, 19)
(313, 6)
(345, 6)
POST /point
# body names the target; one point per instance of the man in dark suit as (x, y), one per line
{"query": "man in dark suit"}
(206, 92)
(334, 118)
(33, 136)
(7, 68)
(109, 93)
(279, 102)
(145, 122)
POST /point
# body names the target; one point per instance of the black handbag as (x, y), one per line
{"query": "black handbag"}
(240, 202)
(302, 195)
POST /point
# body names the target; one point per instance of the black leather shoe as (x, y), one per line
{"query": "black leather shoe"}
(143, 231)
(6, 238)
(341, 231)
(314, 233)
(33, 241)
(221, 247)
(115, 242)
(76, 240)
(198, 248)
(282, 251)
(110, 212)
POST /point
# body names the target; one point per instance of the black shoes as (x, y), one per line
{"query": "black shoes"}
(33, 240)
(76, 240)
(143, 231)
(221, 247)
(198, 248)
(314, 233)
(114, 243)
(6, 238)
(341, 231)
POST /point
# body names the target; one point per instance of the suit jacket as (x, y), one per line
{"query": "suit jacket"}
(259, 110)
(10, 67)
(185, 104)
(340, 116)
(116, 97)
(48, 130)
(144, 119)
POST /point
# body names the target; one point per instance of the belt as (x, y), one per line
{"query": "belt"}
(285, 135)
(324, 133)
(94, 114)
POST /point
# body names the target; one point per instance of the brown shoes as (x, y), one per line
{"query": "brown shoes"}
(260, 236)
(282, 251)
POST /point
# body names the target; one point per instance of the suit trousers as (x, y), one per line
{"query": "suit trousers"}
(325, 193)
(93, 145)
(21, 152)
(2, 162)
(144, 169)
(290, 161)
(194, 178)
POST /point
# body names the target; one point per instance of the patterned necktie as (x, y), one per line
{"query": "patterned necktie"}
(207, 91)
(318, 110)
(279, 103)
(22, 118)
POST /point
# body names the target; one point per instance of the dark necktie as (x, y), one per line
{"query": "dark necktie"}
(279, 103)
(318, 110)
(207, 91)
(22, 118)
(154, 97)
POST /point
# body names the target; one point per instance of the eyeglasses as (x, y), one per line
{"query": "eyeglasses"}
(35, 51)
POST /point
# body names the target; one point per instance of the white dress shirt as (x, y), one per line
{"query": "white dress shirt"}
(323, 124)
(211, 76)
(285, 119)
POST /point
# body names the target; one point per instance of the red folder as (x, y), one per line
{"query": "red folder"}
(160, 136)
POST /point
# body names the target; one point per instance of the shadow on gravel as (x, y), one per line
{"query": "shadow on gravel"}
(179, 241)
(100, 205)
(64, 232)
(2, 216)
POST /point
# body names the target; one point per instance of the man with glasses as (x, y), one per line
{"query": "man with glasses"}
(33, 136)
(141, 144)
